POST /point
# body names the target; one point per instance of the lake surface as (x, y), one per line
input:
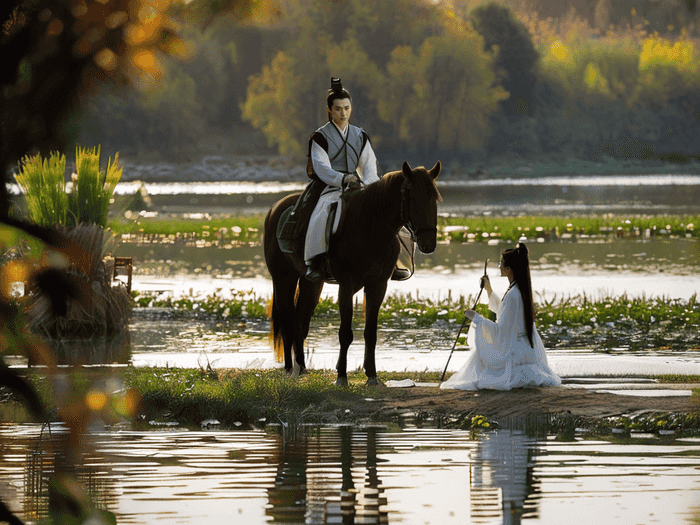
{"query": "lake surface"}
(410, 471)
(558, 195)
(653, 267)
(648, 267)
(404, 473)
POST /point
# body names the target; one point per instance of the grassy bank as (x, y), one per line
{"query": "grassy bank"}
(258, 398)
(237, 230)
(255, 399)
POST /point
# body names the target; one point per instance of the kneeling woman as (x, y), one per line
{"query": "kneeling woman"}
(509, 352)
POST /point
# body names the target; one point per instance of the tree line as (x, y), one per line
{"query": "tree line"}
(463, 80)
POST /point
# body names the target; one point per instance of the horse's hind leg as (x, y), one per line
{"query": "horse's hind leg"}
(309, 294)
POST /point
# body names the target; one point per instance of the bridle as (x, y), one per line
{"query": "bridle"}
(406, 213)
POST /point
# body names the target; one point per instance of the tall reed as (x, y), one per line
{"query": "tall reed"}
(92, 189)
(43, 183)
(50, 201)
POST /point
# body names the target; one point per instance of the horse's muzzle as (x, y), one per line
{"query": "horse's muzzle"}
(426, 239)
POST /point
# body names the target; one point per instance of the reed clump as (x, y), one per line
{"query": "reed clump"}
(93, 326)
(51, 200)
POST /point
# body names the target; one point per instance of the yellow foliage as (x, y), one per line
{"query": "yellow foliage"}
(595, 80)
(660, 52)
(560, 51)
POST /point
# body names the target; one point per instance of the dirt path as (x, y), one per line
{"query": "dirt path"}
(521, 402)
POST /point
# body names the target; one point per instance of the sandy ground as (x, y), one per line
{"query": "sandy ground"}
(520, 402)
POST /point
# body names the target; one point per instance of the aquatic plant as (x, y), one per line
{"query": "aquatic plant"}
(608, 323)
(50, 201)
(231, 304)
(552, 228)
(204, 230)
(620, 323)
(480, 422)
(192, 230)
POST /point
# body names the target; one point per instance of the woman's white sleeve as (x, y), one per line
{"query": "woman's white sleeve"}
(494, 302)
(504, 321)
(322, 166)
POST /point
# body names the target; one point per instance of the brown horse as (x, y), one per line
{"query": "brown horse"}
(362, 254)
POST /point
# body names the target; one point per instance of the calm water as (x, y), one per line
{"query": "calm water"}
(654, 267)
(409, 472)
(658, 267)
(324, 475)
(656, 194)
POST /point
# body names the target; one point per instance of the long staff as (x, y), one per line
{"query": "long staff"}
(442, 378)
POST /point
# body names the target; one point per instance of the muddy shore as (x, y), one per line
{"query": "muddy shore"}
(577, 402)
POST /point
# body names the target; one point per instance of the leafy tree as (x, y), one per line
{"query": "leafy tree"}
(516, 57)
(417, 73)
(445, 94)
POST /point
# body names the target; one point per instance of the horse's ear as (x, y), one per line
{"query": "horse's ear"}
(406, 169)
(435, 170)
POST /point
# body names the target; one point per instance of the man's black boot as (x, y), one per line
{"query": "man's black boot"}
(400, 274)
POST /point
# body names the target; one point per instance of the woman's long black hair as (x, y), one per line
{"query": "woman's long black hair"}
(518, 260)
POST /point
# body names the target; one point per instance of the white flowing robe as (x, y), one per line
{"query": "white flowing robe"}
(316, 242)
(502, 358)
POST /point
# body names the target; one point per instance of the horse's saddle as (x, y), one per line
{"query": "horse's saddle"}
(294, 221)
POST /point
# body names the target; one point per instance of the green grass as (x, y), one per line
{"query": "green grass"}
(248, 229)
(270, 396)
(220, 231)
(242, 396)
(510, 229)
(259, 398)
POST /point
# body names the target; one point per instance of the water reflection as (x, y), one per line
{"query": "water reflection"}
(502, 485)
(309, 489)
(350, 475)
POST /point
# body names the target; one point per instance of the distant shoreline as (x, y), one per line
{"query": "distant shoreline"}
(275, 168)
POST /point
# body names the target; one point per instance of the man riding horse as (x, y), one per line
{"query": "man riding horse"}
(341, 158)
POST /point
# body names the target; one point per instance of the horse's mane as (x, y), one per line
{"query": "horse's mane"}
(389, 185)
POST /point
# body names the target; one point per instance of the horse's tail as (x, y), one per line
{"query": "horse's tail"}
(275, 330)
(276, 326)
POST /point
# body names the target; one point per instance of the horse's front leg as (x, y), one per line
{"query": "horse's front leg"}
(374, 296)
(345, 295)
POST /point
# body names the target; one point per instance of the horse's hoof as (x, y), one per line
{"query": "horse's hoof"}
(374, 381)
(298, 371)
(342, 382)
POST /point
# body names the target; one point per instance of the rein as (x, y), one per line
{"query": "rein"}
(406, 213)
